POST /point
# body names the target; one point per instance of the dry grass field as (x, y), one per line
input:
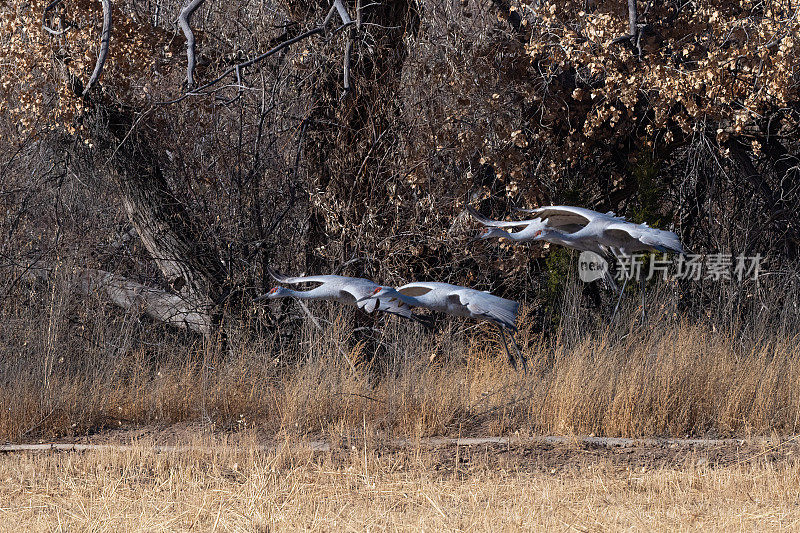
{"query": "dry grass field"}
(667, 378)
(227, 484)
(251, 412)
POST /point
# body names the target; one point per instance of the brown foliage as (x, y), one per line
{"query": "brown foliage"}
(692, 127)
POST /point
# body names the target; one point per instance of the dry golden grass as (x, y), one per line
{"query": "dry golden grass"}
(364, 487)
(68, 372)
(666, 378)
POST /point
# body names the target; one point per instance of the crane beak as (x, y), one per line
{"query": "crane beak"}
(478, 237)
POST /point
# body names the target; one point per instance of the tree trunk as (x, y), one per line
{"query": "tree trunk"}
(190, 265)
(632, 21)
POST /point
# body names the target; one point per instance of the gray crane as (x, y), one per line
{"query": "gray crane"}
(460, 301)
(343, 289)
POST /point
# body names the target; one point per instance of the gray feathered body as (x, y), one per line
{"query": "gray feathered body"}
(462, 301)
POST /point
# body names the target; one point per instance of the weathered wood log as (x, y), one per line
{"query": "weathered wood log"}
(132, 296)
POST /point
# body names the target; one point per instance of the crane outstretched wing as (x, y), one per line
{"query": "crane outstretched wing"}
(656, 239)
(393, 302)
(368, 305)
(414, 289)
(561, 216)
(491, 307)
(388, 300)
(390, 304)
(496, 223)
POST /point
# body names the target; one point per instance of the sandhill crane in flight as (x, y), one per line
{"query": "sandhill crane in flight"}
(343, 289)
(537, 229)
(613, 234)
(461, 301)
(583, 229)
(605, 231)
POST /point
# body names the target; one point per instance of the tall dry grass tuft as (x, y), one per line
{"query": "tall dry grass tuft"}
(72, 367)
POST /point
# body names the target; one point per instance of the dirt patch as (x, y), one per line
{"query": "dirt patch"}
(559, 458)
(545, 454)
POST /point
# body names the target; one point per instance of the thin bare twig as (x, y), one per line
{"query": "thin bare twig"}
(247, 63)
(322, 28)
(46, 27)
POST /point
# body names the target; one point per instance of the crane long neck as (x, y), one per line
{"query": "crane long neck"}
(562, 238)
(514, 235)
(317, 293)
(505, 234)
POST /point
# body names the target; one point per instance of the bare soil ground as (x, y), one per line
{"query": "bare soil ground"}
(550, 454)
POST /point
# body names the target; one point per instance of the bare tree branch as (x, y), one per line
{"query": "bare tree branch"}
(184, 20)
(46, 27)
(336, 7)
(104, 40)
(342, 12)
(348, 50)
(248, 63)
(346, 68)
(633, 30)
(322, 28)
